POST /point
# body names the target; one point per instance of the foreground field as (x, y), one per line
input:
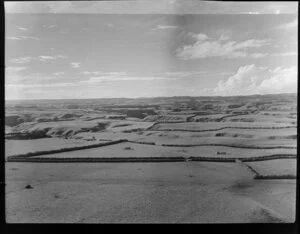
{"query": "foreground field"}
(193, 192)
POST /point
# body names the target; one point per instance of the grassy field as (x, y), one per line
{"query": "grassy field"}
(275, 167)
(13, 147)
(126, 150)
(193, 192)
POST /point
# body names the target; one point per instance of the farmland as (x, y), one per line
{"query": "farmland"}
(209, 146)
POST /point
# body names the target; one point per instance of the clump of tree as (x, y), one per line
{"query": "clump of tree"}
(232, 106)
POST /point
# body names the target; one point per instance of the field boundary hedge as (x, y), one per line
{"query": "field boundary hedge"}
(149, 159)
(233, 146)
(141, 142)
(63, 150)
(275, 177)
(216, 129)
(257, 176)
(130, 159)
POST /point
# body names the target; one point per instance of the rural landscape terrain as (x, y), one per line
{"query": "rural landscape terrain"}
(164, 159)
(151, 111)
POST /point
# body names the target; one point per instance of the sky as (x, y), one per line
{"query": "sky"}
(115, 49)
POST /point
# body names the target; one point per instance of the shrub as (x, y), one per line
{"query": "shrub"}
(128, 148)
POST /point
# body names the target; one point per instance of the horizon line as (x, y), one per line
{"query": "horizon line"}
(180, 96)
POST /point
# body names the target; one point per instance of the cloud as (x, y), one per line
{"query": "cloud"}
(58, 73)
(194, 73)
(199, 36)
(49, 26)
(151, 7)
(289, 26)
(50, 85)
(23, 29)
(93, 72)
(22, 38)
(206, 90)
(117, 73)
(284, 54)
(42, 58)
(59, 6)
(13, 38)
(26, 37)
(205, 48)
(251, 79)
(15, 77)
(258, 55)
(75, 65)
(52, 26)
(120, 76)
(162, 27)
(22, 59)
(10, 71)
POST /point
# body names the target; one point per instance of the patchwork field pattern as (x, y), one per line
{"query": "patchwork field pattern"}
(187, 127)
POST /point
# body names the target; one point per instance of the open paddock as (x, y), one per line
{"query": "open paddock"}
(136, 150)
(13, 147)
(276, 167)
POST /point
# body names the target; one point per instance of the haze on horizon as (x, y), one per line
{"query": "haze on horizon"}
(172, 48)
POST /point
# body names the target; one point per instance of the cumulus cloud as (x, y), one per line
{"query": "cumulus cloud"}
(75, 65)
(199, 36)
(204, 47)
(251, 79)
